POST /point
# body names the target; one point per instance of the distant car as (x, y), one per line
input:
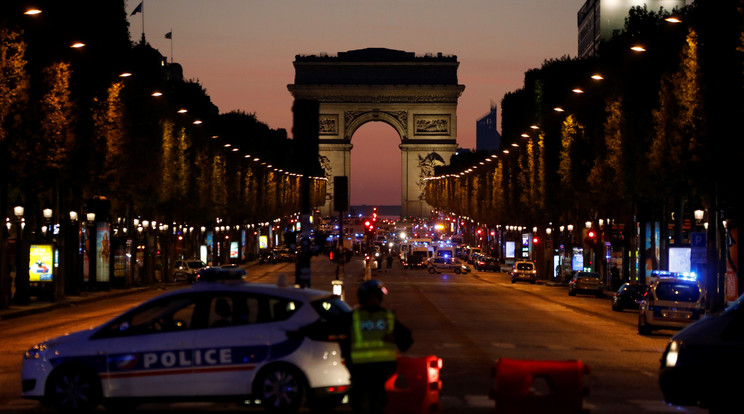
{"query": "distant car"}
(671, 302)
(524, 270)
(628, 296)
(702, 363)
(220, 273)
(586, 282)
(446, 265)
(186, 270)
(484, 263)
(284, 255)
(208, 342)
(267, 257)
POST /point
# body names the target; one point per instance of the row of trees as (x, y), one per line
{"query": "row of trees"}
(661, 132)
(113, 118)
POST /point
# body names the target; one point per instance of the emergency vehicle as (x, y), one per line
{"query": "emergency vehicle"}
(218, 340)
(672, 301)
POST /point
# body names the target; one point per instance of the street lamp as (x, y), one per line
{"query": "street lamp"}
(21, 278)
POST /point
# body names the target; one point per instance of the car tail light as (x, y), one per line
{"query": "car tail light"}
(337, 389)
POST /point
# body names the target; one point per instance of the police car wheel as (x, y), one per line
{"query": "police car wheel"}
(458, 271)
(432, 270)
(281, 389)
(73, 389)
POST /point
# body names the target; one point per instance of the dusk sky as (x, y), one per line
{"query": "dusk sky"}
(241, 52)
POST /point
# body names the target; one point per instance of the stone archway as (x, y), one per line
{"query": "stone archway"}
(416, 95)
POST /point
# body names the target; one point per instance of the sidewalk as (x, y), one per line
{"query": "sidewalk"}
(86, 296)
(37, 306)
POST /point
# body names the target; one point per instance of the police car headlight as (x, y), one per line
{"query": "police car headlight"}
(671, 356)
(35, 352)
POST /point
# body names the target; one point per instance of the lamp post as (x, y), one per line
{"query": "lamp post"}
(89, 270)
(21, 296)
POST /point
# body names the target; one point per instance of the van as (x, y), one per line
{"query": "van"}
(416, 258)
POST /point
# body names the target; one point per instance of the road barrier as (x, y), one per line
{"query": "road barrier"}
(414, 388)
(529, 386)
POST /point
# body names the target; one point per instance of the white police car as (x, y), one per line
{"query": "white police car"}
(210, 341)
(672, 301)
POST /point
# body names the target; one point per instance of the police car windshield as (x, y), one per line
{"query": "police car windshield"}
(678, 292)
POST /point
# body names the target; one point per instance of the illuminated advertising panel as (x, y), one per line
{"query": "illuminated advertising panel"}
(263, 242)
(233, 250)
(511, 249)
(103, 252)
(679, 259)
(41, 263)
(577, 262)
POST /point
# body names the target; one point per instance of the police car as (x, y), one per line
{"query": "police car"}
(446, 264)
(211, 341)
(702, 364)
(672, 301)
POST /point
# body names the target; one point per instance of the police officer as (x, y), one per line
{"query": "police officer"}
(375, 336)
(370, 337)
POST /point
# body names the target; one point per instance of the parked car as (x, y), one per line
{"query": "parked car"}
(186, 270)
(284, 255)
(446, 265)
(671, 301)
(628, 296)
(267, 257)
(524, 270)
(224, 341)
(586, 282)
(487, 263)
(702, 362)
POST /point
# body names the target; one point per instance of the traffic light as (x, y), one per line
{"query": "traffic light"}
(535, 240)
(369, 228)
(591, 237)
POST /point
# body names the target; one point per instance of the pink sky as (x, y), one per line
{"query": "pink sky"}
(241, 51)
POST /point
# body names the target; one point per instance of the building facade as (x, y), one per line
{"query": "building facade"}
(598, 20)
(487, 138)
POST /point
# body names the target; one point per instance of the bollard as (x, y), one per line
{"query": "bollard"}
(562, 386)
(415, 386)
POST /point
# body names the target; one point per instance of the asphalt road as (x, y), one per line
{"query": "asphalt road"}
(470, 321)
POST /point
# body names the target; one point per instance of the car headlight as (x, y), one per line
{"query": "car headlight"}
(35, 352)
(671, 356)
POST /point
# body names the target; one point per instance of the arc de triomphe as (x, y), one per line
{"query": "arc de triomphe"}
(416, 95)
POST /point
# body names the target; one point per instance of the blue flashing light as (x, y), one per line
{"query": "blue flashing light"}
(667, 274)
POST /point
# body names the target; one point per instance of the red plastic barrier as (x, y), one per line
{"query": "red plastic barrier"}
(528, 386)
(414, 389)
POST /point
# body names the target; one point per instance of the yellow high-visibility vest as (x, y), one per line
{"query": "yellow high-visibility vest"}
(367, 333)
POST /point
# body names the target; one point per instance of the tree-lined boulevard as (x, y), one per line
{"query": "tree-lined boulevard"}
(470, 321)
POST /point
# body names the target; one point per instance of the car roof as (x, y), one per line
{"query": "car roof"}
(295, 293)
